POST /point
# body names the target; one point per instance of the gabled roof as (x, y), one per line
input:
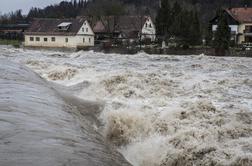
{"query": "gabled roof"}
(120, 24)
(99, 27)
(242, 15)
(47, 26)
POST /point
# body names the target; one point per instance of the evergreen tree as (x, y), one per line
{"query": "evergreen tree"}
(209, 35)
(163, 19)
(180, 21)
(176, 10)
(195, 34)
(222, 36)
(180, 28)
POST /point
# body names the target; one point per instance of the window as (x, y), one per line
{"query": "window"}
(53, 39)
(146, 25)
(86, 29)
(45, 39)
(31, 38)
(89, 39)
(150, 26)
(66, 39)
(83, 29)
(37, 38)
(84, 40)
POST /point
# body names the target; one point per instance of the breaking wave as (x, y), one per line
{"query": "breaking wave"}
(62, 75)
(198, 134)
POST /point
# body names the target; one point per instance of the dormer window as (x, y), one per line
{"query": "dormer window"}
(64, 26)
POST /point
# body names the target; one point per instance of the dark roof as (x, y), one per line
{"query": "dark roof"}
(46, 26)
(242, 15)
(14, 26)
(128, 25)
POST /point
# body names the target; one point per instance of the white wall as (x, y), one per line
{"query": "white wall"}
(84, 40)
(59, 41)
(85, 33)
(234, 28)
(149, 30)
(85, 29)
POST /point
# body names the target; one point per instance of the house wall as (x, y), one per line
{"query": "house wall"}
(60, 41)
(234, 28)
(149, 30)
(241, 37)
(85, 33)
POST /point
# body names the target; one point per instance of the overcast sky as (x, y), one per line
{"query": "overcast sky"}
(12, 5)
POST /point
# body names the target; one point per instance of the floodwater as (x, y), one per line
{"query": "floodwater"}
(40, 126)
(157, 109)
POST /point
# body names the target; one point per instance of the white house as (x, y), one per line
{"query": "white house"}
(149, 29)
(69, 33)
(125, 27)
(240, 23)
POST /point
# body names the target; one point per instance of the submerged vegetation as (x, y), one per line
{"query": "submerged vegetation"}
(15, 43)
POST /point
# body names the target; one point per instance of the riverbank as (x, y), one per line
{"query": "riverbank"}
(14, 43)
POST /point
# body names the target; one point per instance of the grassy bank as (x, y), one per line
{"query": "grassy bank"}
(15, 43)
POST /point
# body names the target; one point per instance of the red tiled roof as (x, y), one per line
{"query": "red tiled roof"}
(242, 15)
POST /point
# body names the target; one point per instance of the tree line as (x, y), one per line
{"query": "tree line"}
(64, 9)
(13, 18)
(70, 9)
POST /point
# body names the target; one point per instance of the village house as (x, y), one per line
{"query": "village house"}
(69, 33)
(125, 28)
(240, 23)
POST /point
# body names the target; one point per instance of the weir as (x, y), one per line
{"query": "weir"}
(42, 126)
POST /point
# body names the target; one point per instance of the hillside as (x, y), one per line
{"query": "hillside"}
(206, 8)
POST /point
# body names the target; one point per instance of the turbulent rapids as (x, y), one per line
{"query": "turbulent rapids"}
(157, 110)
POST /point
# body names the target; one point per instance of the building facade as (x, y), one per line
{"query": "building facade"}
(125, 28)
(68, 33)
(240, 23)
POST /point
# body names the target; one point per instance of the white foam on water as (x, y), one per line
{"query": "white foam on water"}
(161, 109)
